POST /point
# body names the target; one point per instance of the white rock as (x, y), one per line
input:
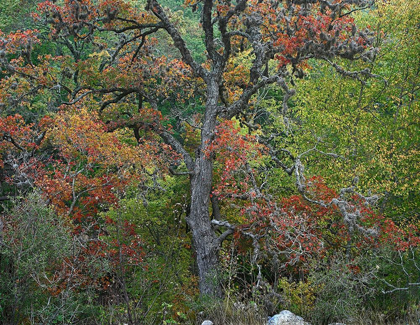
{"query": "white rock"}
(286, 318)
(207, 322)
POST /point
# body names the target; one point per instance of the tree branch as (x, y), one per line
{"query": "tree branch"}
(243, 101)
(179, 42)
(177, 146)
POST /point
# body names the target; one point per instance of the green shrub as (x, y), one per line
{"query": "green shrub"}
(35, 243)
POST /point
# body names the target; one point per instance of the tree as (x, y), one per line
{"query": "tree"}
(107, 57)
(371, 124)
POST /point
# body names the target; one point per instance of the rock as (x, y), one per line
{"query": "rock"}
(207, 322)
(286, 318)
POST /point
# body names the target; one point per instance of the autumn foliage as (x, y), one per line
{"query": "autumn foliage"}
(151, 157)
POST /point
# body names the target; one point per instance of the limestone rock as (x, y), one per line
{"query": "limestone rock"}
(207, 322)
(286, 318)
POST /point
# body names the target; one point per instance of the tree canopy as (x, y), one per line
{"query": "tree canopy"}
(208, 148)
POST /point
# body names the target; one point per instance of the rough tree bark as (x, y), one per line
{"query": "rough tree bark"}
(205, 240)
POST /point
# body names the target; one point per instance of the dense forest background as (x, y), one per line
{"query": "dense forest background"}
(166, 162)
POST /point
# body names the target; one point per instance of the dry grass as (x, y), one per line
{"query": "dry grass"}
(233, 313)
(229, 313)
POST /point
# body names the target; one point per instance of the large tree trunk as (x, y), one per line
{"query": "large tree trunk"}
(204, 238)
(205, 241)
